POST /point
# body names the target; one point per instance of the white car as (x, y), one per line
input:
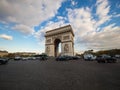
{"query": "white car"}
(89, 57)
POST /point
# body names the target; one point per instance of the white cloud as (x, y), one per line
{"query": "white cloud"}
(73, 2)
(81, 20)
(61, 18)
(107, 38)
(88, 31)
(28, 12)
(6, 37)
(117, 15)
(23, 29)
(49, 26)
(117, 5)
(102, 11)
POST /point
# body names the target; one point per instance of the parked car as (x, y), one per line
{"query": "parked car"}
(63, 58)
(106, 59)
(100, 59)
(24, 58)
(32, 58)
(3, 60)
(43, 57)
(89, 57)
(76, 57)
(117, 56)
(17, 58)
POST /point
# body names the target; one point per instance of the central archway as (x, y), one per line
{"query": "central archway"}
(57, 47)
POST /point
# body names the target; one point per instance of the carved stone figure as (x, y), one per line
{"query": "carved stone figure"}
(47, 49)
(66, 48)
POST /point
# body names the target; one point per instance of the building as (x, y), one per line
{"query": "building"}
(63, 35)
(3, 53)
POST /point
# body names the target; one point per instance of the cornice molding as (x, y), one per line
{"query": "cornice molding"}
(60, 30)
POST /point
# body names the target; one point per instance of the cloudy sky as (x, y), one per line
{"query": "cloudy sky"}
(23, 23)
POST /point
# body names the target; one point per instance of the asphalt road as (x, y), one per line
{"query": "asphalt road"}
(59, 75)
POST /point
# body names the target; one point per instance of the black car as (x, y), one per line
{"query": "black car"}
(63, 58)
(43, 57)
(75, 57)
(106, 59)
(3, 60)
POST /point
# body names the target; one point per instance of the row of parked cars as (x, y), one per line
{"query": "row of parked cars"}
(101, 58)
(24, 58)
(4, 60)
(106, 59)
(36, 57)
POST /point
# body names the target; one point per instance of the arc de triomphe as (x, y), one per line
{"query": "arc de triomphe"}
(63, 35)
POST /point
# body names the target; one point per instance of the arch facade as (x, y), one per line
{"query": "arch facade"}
(63, 35)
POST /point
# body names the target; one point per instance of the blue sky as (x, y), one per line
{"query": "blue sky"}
(23, 23)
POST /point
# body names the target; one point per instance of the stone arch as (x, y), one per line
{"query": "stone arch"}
(56, 47)
(63, 35)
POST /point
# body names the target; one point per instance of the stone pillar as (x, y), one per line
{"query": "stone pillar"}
(50, 50)
(67, 49)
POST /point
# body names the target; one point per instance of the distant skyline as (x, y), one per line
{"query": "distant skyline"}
(23, 23)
